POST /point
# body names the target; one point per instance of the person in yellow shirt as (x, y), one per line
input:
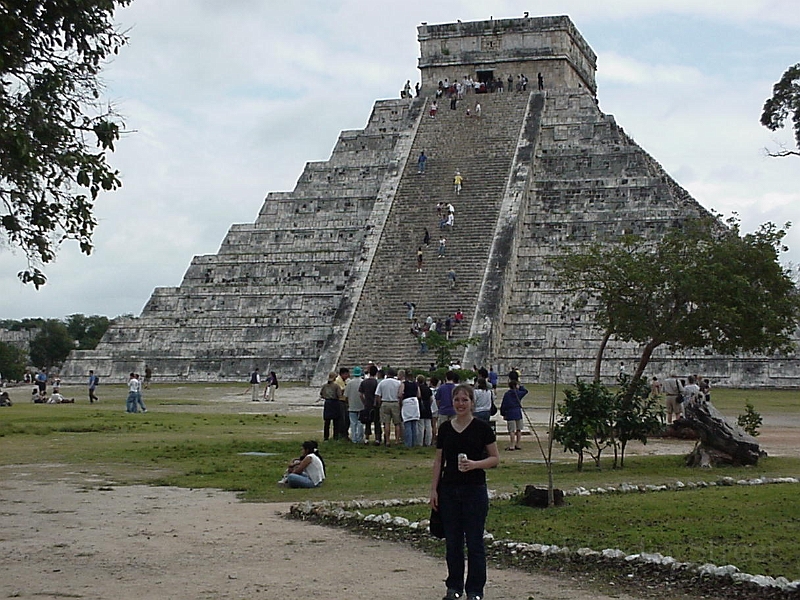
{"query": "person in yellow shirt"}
(457, 181)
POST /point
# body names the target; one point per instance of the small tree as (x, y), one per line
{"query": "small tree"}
(585, 420)
(751, 420)
(443, 348)
(637, 415)
(702, 285)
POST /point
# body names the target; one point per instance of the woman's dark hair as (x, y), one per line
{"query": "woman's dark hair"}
(311, 447)
(481, 383)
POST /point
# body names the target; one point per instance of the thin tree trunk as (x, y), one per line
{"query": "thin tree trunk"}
(599, 358)
(647, 353)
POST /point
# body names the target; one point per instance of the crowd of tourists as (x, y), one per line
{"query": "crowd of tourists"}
(468, 85)
(458, 89)
(442, 325)
(680, 392)
(385, 406)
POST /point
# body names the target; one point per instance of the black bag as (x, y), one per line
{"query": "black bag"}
(365, 416)
(436, 526)
(493, 409)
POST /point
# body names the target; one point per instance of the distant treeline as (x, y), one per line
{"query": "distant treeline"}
(51, 341)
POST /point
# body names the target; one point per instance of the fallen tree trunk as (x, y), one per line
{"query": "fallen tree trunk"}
(722, 442)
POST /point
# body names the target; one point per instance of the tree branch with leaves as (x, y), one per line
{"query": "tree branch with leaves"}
(784, 104)
(54, 129)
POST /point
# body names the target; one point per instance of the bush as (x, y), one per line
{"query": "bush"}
(751, 420)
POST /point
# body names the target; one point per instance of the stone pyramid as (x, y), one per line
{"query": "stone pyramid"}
(321, 278)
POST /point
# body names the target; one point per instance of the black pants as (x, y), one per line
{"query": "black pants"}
(332, 415)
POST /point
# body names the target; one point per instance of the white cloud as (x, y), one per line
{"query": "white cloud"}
(626, 70)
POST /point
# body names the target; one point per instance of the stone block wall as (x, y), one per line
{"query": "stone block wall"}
(268, 297)
(551, 45)
(591, 181)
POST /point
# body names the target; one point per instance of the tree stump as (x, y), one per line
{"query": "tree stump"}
(720, 442)
(537, 497)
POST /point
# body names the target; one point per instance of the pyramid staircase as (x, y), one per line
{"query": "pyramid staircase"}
(482, 150)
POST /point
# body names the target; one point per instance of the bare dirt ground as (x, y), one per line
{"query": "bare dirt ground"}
(68, 534)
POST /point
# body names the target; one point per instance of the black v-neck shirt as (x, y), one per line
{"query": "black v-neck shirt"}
(472, 442)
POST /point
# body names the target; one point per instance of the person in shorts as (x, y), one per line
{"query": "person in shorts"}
(511, 411)
(386, 398)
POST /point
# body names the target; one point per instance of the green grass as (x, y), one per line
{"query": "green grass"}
(755, 528)
(185, 441)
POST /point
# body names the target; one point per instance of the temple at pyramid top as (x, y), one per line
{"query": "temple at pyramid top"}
(494, 49)
(325, 274)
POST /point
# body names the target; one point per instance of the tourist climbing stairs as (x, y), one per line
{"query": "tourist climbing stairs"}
(482, 150)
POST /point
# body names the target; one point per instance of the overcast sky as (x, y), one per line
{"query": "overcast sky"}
(228, 99)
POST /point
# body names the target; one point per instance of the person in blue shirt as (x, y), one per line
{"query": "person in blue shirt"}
(511, 410)
(492, 377)
(93, 381)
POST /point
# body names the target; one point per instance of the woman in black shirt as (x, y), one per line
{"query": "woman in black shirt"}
(465, 446)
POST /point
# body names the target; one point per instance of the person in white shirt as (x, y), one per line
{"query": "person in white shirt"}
(386, 399)
(672, 391)
(691, 392)
(310, 471)
(133, 394)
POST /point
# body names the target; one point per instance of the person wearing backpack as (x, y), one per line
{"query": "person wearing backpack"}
(94, 380)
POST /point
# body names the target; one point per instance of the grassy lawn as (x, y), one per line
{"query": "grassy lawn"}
(185, 441)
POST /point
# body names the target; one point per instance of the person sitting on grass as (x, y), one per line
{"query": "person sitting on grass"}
(5, 399)
(310, 471)
(57, 398)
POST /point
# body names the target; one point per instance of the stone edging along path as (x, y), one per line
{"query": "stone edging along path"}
(348, 513)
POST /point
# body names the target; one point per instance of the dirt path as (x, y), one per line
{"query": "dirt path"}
(62, 539)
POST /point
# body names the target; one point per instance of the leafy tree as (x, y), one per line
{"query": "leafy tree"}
(24, 324)
(784, 104)
(637, 415)
(593, 418)
(51, 345)
(54, 131)
(443, 348)
(87, 331)
(700, 286)
(585, 420)
(12, 362)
